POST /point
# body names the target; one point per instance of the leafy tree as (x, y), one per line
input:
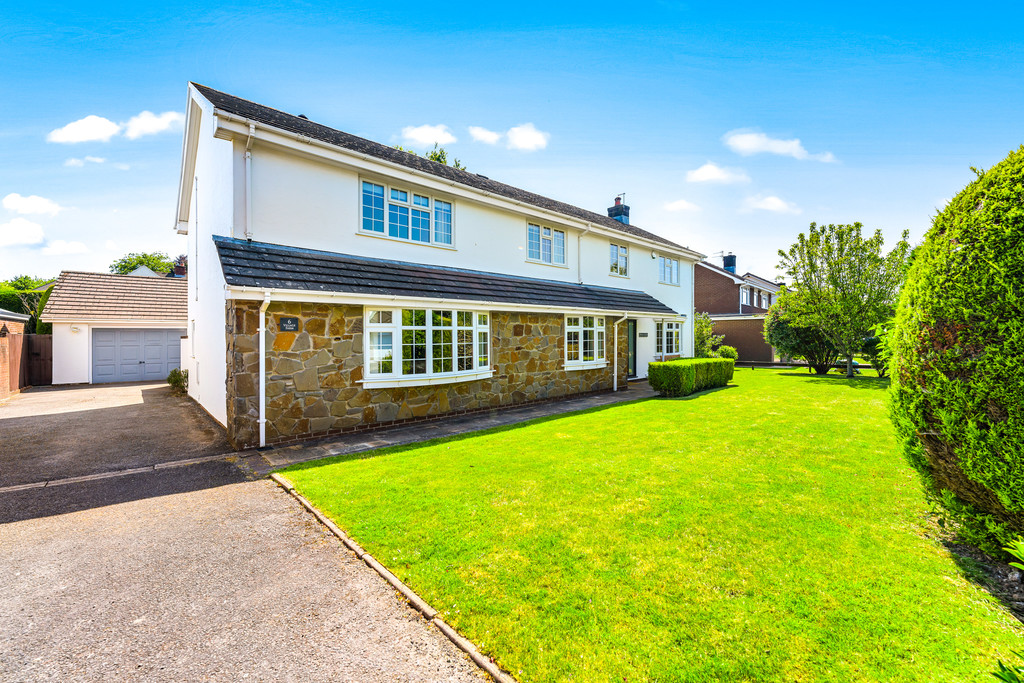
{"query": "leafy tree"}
(796, 341)
(438, 154)
(705, 341)
(156, 261)
(846, 284)
(957, 393)
(875, 350)
(24, 282)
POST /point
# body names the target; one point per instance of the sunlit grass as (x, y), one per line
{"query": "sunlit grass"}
(768, 531)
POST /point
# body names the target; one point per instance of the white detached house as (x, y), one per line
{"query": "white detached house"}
(339, 284)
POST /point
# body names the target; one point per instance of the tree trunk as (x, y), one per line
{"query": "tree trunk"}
(849, 365)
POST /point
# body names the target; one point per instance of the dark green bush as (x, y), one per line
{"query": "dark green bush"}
(792, 341)
(874, 351)
(685, 376)
(178, 379)
(957, 366)
(726, 351)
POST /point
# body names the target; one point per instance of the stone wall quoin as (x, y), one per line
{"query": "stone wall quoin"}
(314, 373)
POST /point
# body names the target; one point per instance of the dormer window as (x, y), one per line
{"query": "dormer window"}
(409, 216)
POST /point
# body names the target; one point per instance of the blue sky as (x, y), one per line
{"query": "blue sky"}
(691, 109)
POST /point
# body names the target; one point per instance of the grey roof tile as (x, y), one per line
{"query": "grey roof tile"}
(271, 266)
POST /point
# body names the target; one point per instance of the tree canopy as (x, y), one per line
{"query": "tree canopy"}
(794, 340)
(156, 261)
(438, 154)
(846, 284)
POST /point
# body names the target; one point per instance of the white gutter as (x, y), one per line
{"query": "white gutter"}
(263, 368)
(615, 352)
(248, 182)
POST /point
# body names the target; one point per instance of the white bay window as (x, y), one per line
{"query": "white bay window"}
(667, 340)
(411, 346)
(584, 341)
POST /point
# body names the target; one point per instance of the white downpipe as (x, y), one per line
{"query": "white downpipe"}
(263, 369)
(248, 181)
(615, 352)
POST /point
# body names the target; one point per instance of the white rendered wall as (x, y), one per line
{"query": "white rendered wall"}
(71, 354)
(212, 213)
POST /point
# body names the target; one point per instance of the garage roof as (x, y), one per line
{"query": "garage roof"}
(272, 266)
(80, 296)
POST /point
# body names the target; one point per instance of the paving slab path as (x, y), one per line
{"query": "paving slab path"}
(230, 582)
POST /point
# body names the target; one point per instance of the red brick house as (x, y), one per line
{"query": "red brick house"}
(737, 305)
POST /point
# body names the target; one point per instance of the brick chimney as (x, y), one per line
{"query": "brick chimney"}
(620, 211)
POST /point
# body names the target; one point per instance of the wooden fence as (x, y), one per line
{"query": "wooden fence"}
(29, 361)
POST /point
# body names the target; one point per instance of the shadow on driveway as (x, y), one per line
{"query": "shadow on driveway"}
(60, 432)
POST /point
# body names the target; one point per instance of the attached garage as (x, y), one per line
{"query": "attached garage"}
(116, 328)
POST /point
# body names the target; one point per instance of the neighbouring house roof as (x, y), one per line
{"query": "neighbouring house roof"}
(302, 126)
(741, 279)
(80, 296)
(11, 315)
(271, 266)
(145, 271)
(762, 281)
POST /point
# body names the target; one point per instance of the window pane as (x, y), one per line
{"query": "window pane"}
(588, 321)
(572, 321)
(442, 350)
(399, 196)
(588, 345)
(414, 352)
(420, 225)
(533, 242)
(613, 256)
(373, 207)
(465, 319)
(414, 317)
(481, 319)
(380, 353)
(420, 200)
(572, 346)
(465, 350)
(559, 247)
(398, 221)
(545, 250)
(659, 338)
(600, 343)
(441, 318)
(442, 222)
(481, 350)
(380, 317)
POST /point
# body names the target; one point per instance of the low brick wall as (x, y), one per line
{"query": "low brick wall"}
(313, 375)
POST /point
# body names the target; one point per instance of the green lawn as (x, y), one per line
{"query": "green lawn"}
(767, 531)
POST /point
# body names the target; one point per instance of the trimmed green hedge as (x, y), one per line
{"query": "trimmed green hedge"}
(685, 376)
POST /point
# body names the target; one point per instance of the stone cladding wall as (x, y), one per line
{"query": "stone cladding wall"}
(313, 375)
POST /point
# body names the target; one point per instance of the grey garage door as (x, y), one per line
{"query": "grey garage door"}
(134, 355)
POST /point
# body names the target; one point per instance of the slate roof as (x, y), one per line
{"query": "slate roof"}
(746, 278)
(271, 266)
(103, 296)
(303, 126)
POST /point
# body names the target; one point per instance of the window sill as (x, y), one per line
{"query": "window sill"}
(389, 238)
(424, 380)
(545, 263)
(593, 365)
(624, 277)
(670, 284)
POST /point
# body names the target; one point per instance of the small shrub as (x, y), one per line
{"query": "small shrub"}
(705, 341)
(726, 351)
(688, 375)
(178, 379)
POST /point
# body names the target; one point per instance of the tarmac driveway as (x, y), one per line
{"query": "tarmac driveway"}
(60, 432)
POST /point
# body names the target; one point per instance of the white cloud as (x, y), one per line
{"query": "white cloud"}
(63, 248)
(527, 137)
(489, 137)
(32, 204)
(428, 135)
(91, 128)
(748, 143)
(78, 163)
(681, 205)
(20, 232)
(148, 123)
(769, 203)
(122, 167)
(711, 173)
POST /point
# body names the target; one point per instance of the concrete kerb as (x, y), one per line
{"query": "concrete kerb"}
(418, 603)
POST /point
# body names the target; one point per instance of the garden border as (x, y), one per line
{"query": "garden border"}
(414, 600)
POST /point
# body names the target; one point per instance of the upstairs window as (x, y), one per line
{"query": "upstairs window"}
(584, 340)
(409, 215)
(744, 296)
(619, 260)
(546, 245)
(668, 270)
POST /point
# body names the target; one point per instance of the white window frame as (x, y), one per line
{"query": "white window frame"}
(409, 205)
(550, 238)
(744, 296)
(668, 334)
(672, 266)
(479, 328)
(618, 259)
(576, 324)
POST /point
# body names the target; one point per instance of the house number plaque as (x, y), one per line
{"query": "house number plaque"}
(643, 334)
(288, 325)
